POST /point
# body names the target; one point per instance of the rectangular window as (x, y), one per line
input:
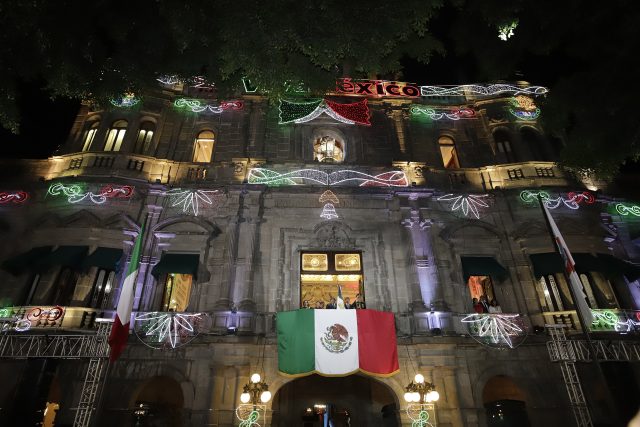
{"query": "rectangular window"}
(114, 139)
(322, 274)
(482, 295)
(203, 149)
(101, 290)
(177, 292)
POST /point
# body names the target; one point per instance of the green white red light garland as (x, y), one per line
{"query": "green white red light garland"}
(302, 112)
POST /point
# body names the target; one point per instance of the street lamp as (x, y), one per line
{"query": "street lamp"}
(255, 391)
(419, 391)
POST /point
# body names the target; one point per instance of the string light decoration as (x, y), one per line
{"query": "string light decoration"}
(313, 176)
(10, 320)
(626, 210)
(169, 80)
(467, 203)
(197, 106)
(481, 90)
(330, 200)
(524, 108)
(622, 321)
(506, 31)
(302, 112)
(419, 414)
(190, 199)
(248, 86)
(76, 194)
(14, 197)
(127, 100)
(452, 114)
(496, 330)
(249, 415)
(572, 201)
(168, 329)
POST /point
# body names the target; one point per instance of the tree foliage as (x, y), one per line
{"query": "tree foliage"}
(584, 51)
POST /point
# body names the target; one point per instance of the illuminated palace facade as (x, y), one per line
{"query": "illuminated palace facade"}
(421, 199)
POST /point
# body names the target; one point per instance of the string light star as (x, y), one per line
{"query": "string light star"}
(498, 328)
(467, 203)
(169, 327)
(190, 199)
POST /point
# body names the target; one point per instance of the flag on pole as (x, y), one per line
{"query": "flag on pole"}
(120, 330)
(570, 269)
(339, 300)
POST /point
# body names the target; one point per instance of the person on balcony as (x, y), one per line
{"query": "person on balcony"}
(477, 306)
(332, 304)
(494, 307)
(347, 303)
(358, 303)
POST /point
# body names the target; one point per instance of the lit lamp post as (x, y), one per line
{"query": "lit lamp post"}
(255, 391)
(419, 391)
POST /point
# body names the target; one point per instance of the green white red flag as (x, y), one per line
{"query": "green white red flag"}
(337, 342)
(120, 329)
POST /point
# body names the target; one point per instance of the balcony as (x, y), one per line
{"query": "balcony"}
(611, 320)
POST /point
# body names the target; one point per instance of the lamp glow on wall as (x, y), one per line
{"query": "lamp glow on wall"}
(420, 391)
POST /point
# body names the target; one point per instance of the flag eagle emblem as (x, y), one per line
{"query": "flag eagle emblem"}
(336, 339)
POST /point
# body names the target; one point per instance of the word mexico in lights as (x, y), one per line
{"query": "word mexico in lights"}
(376, 88)
(383, 88)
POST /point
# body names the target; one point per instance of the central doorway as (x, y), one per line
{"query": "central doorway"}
(348, 401)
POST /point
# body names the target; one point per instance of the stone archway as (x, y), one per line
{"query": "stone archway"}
(163, 400)
(505, 403)
(359, 399)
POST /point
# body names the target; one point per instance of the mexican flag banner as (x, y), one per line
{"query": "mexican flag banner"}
(336, 342)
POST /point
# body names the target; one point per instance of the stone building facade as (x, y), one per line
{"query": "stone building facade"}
(436, 197)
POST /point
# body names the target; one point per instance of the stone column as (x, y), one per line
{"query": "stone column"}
(428, 294)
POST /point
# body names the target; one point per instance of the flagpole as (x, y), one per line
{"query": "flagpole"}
(583, 324)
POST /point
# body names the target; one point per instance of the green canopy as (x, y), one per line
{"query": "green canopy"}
(177, 263)
(107, 258)
(66, 256)
(26, 260)
(612, 265)
(483, 266)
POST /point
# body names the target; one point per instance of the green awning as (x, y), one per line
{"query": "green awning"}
(551, 263)
(546, 263)
(483, 266)
(612, 265)
(26, 260)
(107, 258)
(65, 256)
(177, 263)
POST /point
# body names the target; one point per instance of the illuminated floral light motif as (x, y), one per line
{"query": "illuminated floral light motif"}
(482, 90)
(506, 31)
(573, 200)
(524, 108)
(191, 199)
(168, 328)
(248, 86)
(197, 106)
(498, 329)
(169, 80)
(15, 197)
(419, 415)
(127, 100)
(626, 210)
(453, 114)
(313, 176)
(302, 112)
(249, 415)
(467, 203)
(76, 194)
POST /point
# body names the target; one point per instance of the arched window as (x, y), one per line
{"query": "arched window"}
(534, 141)
(145, 135)
(89, 134)
(448, 152)
(503, 145)
(115, 135)
(328, 149)
(203, 147)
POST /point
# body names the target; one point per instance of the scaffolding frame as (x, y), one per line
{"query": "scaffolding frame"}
(94, 347)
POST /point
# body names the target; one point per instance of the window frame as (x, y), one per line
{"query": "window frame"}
(196, 143)
(146, 132)
(337, 143)
(89, 135)
(115, 136)
(332, 269)
(454, 151)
